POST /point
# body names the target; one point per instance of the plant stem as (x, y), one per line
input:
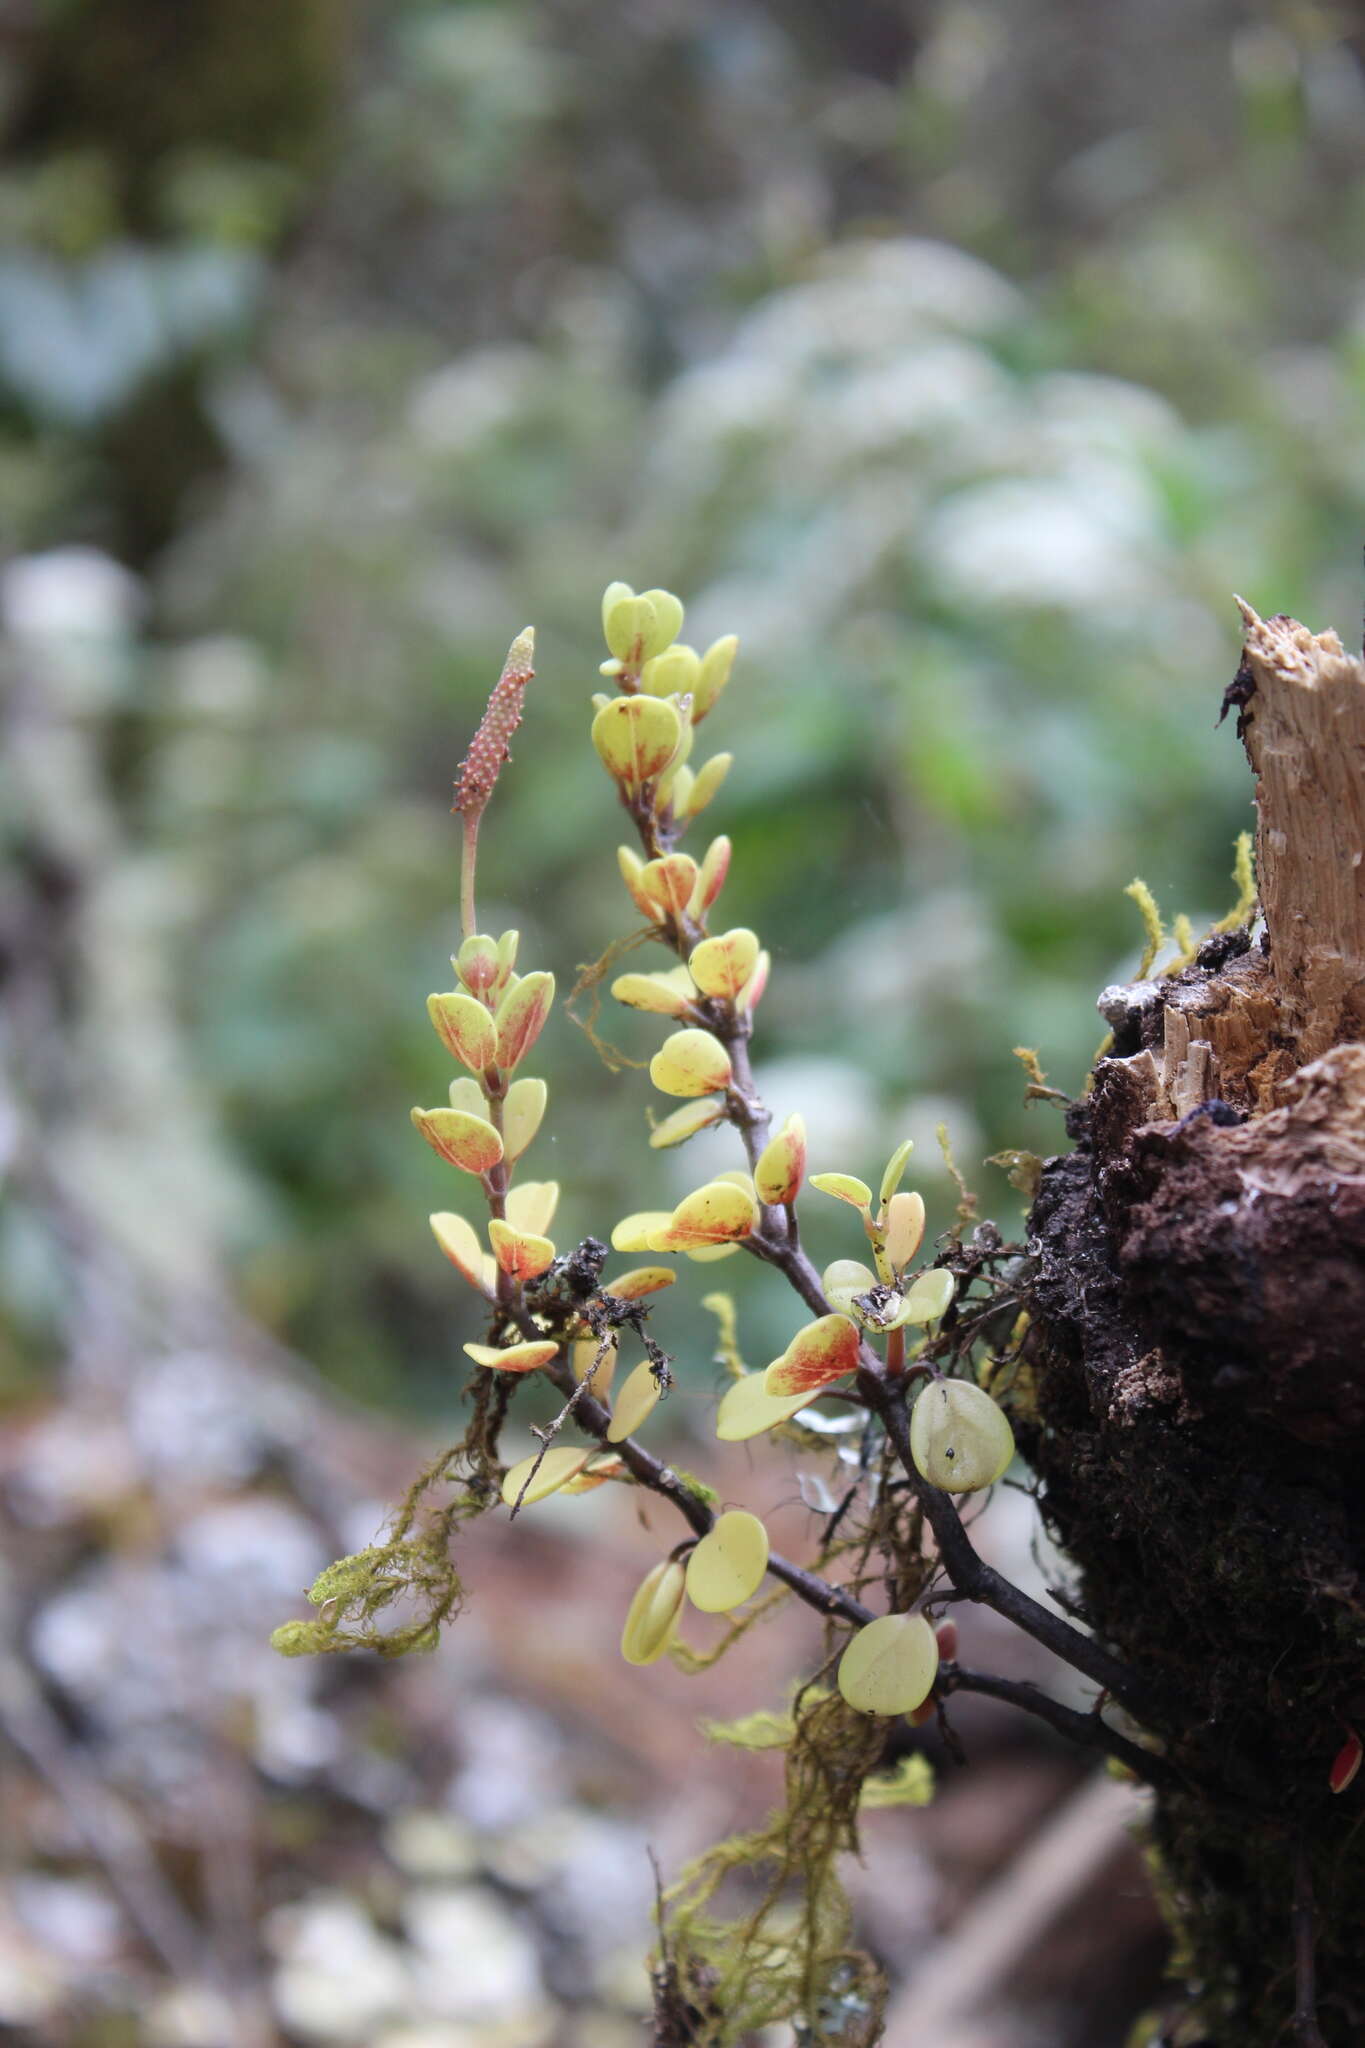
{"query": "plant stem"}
(469, 859)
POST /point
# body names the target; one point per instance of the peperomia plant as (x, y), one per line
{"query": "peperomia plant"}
(921, 1356)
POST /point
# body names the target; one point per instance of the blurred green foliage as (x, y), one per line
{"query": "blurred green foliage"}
(961, 358)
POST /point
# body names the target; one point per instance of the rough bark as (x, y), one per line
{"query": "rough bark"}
(1198, 1367)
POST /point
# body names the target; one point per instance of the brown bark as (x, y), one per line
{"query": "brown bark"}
(1198, 1368)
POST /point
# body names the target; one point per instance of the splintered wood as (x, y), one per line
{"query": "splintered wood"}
(1305, 738)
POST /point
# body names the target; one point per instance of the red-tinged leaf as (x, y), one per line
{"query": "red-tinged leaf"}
(516, 1357)
(751, 995)
(782, 1164)
(632, 867)
(711, 876)
(1346, 1763)
(521, 1017)
(817, 1356)
(690, 1063)
(636, 738)
(520, 1253)
(669, 882)
(722, 966)
(639, 1281)
(719, 1213)
(946, 1636)
(469, 1142)
(464, 1028)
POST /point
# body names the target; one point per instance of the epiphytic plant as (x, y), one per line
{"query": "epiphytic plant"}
(908, 1351)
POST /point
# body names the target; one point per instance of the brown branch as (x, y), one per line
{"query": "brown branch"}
(971, 1575)
(1088, 1731)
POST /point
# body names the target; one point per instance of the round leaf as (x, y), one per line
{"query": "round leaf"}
(927, 1298)
(636, 738)
(890, 1666)
(465, 1029)
(459, 1241)
(521, 1114)
(821, 1353)
(690, 1063)
(717, 1214)
(531, 1205)
(560, 1463)
(721, 966)
(782, 1164)
(469, 1142)
(521, 1016)
(520, 1253)
(684, 1123)
(747, 1409)
(728, 1564)
(653, 1614)
(638, 1398)
(960, 1438)
(516, 1358)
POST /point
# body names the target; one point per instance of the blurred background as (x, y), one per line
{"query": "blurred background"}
(962, 358)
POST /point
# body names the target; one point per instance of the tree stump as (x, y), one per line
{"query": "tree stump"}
(1197, 1367)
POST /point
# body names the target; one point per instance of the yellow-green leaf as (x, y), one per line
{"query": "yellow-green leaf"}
(716, 665)
(469, 1142)
(515, 1358)
(727, 1566)
(673, 673)
(638, 1398)
(521, 1016)
(684, 1123)
(719, 1213)
(612, 596)
(752, 992)
(722, 966)
(584, 1356)
(658, 993)
(895, 1167)
(623, 625)
(705, 783)
(653, 1614)
(561, 1463)
(531, 1205)
(890, 1665)
(466, 1095)
(639, 1281)
(929, 1297)
(843, 1281)
(518, 1252)
(637, 738)
(782, 1164)
(960, 1438)
(691, 1062)
(665, 622)
(459, 1241)
(521, 1114)
(465, 1029)
(845, 1187)
(633, 1232)
(817, 1355)
(747, 1409)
